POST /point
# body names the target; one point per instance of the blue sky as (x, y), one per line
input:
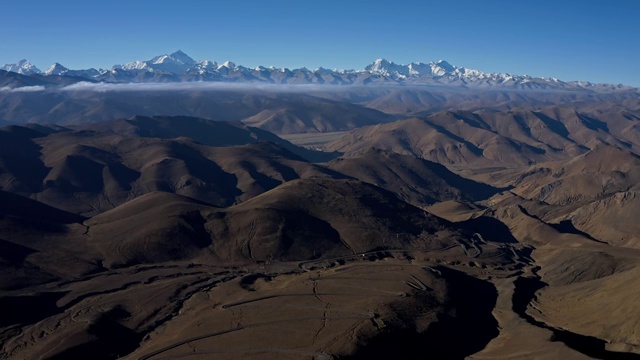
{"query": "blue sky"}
(572, 40)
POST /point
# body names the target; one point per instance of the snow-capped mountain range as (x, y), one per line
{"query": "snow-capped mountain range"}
(23, 67)
(179, 67)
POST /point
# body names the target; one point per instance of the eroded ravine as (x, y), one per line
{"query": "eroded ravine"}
(525, 292)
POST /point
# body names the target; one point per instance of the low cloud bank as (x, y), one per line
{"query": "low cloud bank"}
(189, 86)
(22, 89)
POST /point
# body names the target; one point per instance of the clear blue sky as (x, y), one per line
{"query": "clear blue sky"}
(590, 40)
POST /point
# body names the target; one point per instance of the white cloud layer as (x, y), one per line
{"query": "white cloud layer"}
(22, 89)
(192, 86)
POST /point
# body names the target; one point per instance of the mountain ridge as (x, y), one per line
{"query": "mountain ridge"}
(180, 67)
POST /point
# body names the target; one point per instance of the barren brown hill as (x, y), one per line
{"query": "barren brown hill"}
(88, 172)
(204, 131)
(409, 101)
(338, 217)
(77, 107)
(299, 220)
(611, 318)
(595, 175)
(157, 237)
(591, 127)
(41, 244)
(91, 172)
(153, 228)
(21, 169)
(310, 115)
(127, 306)
(425, 138)
(551, 129)
(207, 132)
(574, 267)
(613, 219)
(279, 111)
(293, 221)
(417, 181)
(490, 137)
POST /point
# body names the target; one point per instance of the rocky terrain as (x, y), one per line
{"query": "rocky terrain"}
(415, 223)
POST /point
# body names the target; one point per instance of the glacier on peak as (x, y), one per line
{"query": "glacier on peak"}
(135, 65)
(23, 67)
(56, 69)
(206, 64)
(228, 65)
(177, 62)
(178, 66)
(183, 58)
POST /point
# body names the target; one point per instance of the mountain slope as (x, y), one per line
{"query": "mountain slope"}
(426, 139)
(310, 115)
(598, 173)
(277, 111)
(153, 228)
(23, 67)
(334, 217)
(301, 219)
(416, 181)
(40, 244)
(485, 137)
(90, 171)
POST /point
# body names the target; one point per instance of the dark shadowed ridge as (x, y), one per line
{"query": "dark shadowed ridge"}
(364, 217)
(12, 79)
(596, 174)
(22, 169)
(299, 220)
(467, 322)
(416, 181)
(16, 206)
(15, 80)
(90, 171)
(204, 131)
(504, 138)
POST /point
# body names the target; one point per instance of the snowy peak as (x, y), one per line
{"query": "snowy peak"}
(136, 65)
(386, 67)
(445, 66)
(56, 69)
(23, 67)
(177, 62)
(228, 65)
(413, 70)
(438, 71)
(204, 66)
(323, 71)
(177, 57)
(418, 69)
(182, 58)
(178, 66)
(379, 65)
